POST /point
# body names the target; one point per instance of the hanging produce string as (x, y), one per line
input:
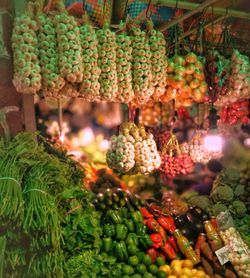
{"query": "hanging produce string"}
(176, 31)
(221, 39)
(149, 11)
(60, 119)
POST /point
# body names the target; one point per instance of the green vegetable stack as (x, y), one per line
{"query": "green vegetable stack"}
(27, 72)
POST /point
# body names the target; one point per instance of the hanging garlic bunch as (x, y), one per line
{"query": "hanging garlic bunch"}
(146, 155)
(69, 46)
(121, 155)
(27, 72)
(141, 66)
(157, 46)
(124, 66)
(107, 62)
(52, 82)
(90, 86)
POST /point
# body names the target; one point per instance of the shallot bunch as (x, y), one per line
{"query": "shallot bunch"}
(27, 72)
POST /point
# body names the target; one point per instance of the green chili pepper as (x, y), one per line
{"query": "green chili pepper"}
(140, 228)
(107, 244)
(130, 225)
(132, 238)
(137, 216)
(121, 231)
(114, 216)
(109, 230)
(145, 241)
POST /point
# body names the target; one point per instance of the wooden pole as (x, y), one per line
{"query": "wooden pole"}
(188, 14)
(29, 112)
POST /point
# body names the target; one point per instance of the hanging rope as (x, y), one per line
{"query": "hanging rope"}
(148, 11)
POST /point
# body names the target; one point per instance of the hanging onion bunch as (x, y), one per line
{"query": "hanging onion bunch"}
(52, 82)
(141, 66)
(90, 86)
(107, 63)
(196, 150)
(121, 155)
(27, 72)
(147, 157)
(157, 46)
(124, 66)
(69, 46)
(174, 161)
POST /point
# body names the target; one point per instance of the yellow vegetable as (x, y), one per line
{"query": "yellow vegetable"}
(165, 268)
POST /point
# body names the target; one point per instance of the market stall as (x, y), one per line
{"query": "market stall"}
(139, 165)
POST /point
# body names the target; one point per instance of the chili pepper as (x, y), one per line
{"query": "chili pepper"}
(130, 225)
(168, 251)
(153, 225)
(137, 217)
(145, 213)
(167, 223)
(145, 241)
(163, 235)
(132, 238)
(123, 212)
(109, 230)
(172, 242)
(140, 228)
(153, 254)
(121, 231)
(201, 238)
(120, 250)
(157, 240)
(107, 244)
(128, 205)
(114, 216)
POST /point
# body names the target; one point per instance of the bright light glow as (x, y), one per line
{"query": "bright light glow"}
(62, 137)
(247, 142)
(104, 145)
(213, 143)
(86, 136)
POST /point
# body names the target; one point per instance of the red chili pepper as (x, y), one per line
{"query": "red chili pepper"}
(145, 221)
(157, 240)
(153, 225)
(168, 251)
(163, 235)
(146, 213)
(153, 254)
(172, 242)
(172, 223)
(163, 221)
(201, 238)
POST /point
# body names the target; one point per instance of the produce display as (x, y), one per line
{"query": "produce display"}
(174, 162)
(238, 251)
(27, 71)
(150, 115)
(186, 80)
(133, 150)
(235, 113)
(173, 203)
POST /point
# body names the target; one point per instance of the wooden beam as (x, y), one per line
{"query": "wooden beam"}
(188, 14)
(191, 6)
(29, 112)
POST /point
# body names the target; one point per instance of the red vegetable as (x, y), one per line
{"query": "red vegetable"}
(146, 213)
(153, 225)
(163, 235)
(167, 223)
(153, 254)
(172, 242)
(157, 240)
(168, 251)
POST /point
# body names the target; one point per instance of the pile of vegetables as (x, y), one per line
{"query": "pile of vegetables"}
(133, 150)
(27, 71)
(174, 161)
(186, 80)
(235, 113)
